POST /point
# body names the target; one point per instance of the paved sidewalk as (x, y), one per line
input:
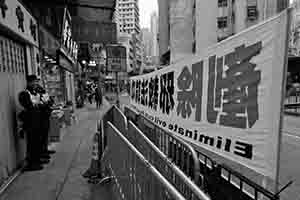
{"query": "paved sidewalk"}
(61, 179)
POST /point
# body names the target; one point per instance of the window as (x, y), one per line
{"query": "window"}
(222, 3)
(252, 13)
(222, 22)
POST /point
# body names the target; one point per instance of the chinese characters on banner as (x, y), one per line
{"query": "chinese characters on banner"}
(226, 100)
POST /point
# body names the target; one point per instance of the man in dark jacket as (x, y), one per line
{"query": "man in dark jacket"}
(30, 101)
(98, 97)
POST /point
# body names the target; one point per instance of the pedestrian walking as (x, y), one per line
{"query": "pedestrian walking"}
(90, 97)
(98, 97)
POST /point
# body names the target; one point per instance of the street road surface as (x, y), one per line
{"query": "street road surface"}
(289, 163)
(290, 157)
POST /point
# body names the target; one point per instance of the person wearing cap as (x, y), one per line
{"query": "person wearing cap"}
(30, 100)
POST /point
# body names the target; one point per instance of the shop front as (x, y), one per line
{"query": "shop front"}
(19, 56)
(67, 57)
(66, 67)
(52, 74)
(59, 63)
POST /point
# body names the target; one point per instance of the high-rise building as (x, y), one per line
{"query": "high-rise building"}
(154, 35)
(129, 23)
(129, 16)
(187, 27)
(164, 32)
(146, 42)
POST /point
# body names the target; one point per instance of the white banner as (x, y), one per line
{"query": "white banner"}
(226, 100)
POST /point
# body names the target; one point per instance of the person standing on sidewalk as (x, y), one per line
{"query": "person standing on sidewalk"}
(46, 110)
(98, 97)
(31, 118)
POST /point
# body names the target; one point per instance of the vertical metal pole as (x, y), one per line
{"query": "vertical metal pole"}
(282, 99)
(117, 81)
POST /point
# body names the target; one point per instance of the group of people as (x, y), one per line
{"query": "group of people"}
(35, 118)
(95, 93)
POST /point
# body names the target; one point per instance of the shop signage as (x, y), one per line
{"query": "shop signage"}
(17, 19)
(48, 42)
(116, 58)
(226, 100)
(65, 63)
(69, 46)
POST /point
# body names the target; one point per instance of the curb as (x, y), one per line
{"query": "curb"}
(10, 180)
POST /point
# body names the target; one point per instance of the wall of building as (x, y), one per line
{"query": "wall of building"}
(125, 39)
(181, 29)
(129, 16)
(96, 14)
(17, 58)
(154, 32)
(163, 26)
(206, 33)
(146, 42)
(182, 18)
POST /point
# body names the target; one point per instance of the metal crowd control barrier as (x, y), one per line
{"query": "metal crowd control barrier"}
(178, 151)
(135, 177)
(292, 105)
(159, 160)
(210, 170)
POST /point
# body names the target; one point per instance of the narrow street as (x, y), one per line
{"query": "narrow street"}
(61, 179)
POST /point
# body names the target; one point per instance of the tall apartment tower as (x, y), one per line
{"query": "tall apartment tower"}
(187, 27)
(154, 41)
(129, 16)
(146, 44)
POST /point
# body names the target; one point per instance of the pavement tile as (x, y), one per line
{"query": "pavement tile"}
(61, 178)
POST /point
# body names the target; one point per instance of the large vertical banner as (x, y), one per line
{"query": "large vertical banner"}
(226, 100)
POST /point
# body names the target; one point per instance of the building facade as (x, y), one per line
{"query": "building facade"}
(129, 23)
(154, 39)
(129, 16)
(164, 32)
(146, 41)
(19, 57)
(94, 28)
(187, 27)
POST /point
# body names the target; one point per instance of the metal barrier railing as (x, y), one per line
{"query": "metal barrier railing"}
(178, 151)
(209, 169)
(169, 170)
(134, 176)
(158, 159)
(292, 104)
(209, 166)
(182, 154)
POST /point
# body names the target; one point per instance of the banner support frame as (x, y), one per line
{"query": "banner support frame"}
(282, 100)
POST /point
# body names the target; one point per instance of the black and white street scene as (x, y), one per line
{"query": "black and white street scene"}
(149, 99)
